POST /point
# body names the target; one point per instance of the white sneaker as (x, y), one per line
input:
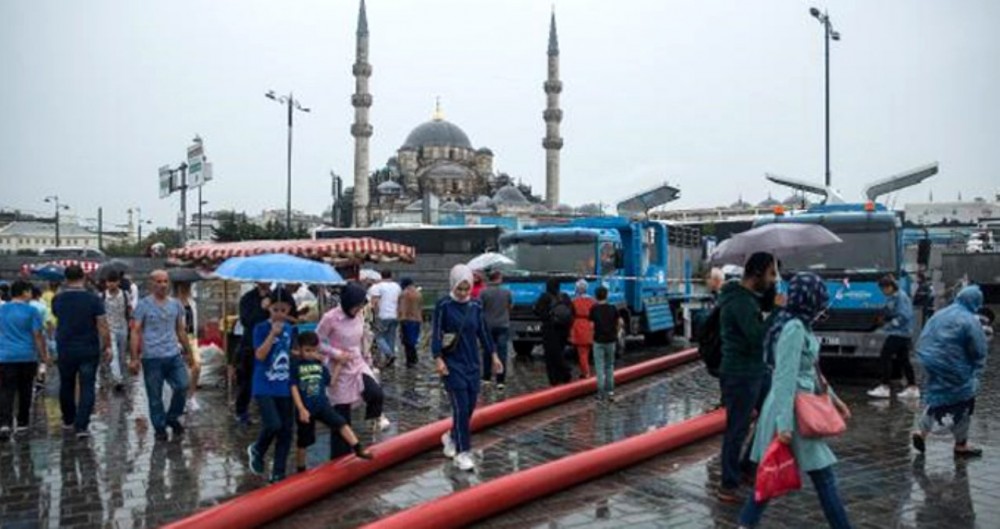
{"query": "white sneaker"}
(464, 462)
(449, 446)
(880, 392)
(383, 423)
(193, 406)
(909, 393)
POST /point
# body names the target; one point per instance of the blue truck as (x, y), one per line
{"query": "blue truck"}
(630, 258)
(872, 248)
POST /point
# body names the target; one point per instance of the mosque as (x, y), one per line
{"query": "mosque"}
(437, 158)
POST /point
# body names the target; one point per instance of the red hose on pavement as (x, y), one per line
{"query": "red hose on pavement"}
(269, 503)
(482, 501)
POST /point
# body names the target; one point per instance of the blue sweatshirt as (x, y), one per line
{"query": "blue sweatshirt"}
(465, 361)
(898, 315)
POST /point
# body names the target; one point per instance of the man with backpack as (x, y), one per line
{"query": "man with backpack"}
(744, 375)
(118, 309)
(555, 310)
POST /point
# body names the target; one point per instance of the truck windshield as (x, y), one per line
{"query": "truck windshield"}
(861, 252)
(570, 258)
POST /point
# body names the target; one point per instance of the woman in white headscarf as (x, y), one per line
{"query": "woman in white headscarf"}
(457, 327)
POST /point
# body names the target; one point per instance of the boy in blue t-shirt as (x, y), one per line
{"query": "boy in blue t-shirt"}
(310, 378)
(272, 342)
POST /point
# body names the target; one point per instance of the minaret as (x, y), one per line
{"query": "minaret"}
(361, 129)
(553, 116)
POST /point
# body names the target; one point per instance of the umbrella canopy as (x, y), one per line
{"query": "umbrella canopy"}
(184, 275)
(114, 266)
(89, 267)
(49, 272)
(490, 260)
(779, 239)
(278, 268)
(338, 252)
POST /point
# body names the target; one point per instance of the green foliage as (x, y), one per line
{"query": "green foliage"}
(235, 227)
(169, 237)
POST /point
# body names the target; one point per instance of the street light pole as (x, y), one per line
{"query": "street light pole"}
(292, 104)
(829, 33)
(54, 199)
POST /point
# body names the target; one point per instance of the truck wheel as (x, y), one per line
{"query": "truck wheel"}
(524, 348)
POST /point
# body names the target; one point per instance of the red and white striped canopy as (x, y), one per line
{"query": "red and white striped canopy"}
(89, 267)
(338, 252)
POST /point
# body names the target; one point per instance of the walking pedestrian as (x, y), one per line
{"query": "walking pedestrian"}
(952, 349)
(341, 333)
(555, 310)
(581, 333)
(411, 317)
(790, 341)
(497, 303)
(81, 331)
(118, 309)
(272, 341)
(22, 347)
(898, 326)
(183, 292)
(160, 337)
(253, 310)
(743, 371)
(458, 326)
(385, 302)
(606, 323)
(310, 380)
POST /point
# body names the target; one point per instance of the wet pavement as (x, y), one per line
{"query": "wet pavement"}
(122, 478)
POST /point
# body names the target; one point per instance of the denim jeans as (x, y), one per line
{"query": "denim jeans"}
(604, 364)
(826, 488)
(386, 339)
(501, 340)
(276, 416)
(71, 368)
(173, 372)
(410, 331)
(740, 395)
(119, 355)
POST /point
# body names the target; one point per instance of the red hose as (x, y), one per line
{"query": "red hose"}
(269, 503)
(480, 502)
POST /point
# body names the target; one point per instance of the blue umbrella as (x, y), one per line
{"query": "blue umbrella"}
(49, 272)
(278, 268)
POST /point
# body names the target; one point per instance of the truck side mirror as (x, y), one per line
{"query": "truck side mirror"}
(619, 259)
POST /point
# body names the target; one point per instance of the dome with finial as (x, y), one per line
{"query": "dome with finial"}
(437, 133)
(509, 196)
(768, 202)
(450, 207)
(740, 204)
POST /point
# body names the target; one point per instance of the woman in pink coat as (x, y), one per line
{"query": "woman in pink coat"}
(341, 333)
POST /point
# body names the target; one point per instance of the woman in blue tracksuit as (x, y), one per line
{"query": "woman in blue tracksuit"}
(458, 324)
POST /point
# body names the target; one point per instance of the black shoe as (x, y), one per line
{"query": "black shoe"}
(389, 361)
(918, 442)
(161, 435)
(176, 427)
(966, 452)
(276, 478)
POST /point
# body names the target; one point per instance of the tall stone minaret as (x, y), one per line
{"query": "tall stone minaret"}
(553, 116)
(361, 129)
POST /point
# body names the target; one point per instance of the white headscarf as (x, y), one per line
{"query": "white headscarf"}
(460, 273)
(581, 287)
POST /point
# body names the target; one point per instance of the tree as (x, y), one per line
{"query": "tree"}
(169, 237)
(235, 227)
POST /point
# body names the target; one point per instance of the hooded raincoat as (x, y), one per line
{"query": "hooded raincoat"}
(952, 349)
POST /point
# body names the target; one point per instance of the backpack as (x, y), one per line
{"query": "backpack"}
(710, 342)
(561, 313)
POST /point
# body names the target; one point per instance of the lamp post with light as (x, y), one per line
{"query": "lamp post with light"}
(829, 34)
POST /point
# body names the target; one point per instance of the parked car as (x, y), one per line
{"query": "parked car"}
(71, 252)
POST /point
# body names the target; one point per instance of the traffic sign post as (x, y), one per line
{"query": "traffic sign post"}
(193, 172)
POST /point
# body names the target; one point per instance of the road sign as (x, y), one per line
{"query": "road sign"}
(166, 183)
(196, 165)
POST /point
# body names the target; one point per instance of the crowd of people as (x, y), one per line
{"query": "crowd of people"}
(300, 370)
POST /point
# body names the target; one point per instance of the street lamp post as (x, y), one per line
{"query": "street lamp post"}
(200, 218)
(54, 200)
(139, 222)
(829, 33)
(293, 105)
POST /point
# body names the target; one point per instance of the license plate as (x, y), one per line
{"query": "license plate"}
(534, 328)
(829, 340)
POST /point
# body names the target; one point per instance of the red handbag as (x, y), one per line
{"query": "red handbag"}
(815, 413)
(777, 473)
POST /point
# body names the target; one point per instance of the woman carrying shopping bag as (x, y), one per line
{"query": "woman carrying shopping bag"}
(794, 350)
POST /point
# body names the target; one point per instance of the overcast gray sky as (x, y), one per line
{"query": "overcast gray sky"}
(709, 95)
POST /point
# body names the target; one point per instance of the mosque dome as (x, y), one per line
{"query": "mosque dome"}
(509, 196)
(448, 171)
(437, 133)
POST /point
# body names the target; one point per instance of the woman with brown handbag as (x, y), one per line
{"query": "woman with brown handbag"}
(794, 350)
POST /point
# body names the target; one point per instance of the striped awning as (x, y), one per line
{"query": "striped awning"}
(88, 267)
(339, 252)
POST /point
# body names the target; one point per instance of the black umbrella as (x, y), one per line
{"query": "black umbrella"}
(114, 266)
(184, 275)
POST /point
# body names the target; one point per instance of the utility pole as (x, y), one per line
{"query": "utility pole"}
(829, 33)
(54, 200)
(292, 105)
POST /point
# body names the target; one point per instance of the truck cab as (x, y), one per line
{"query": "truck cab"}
(871, 248)
(629, 258)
